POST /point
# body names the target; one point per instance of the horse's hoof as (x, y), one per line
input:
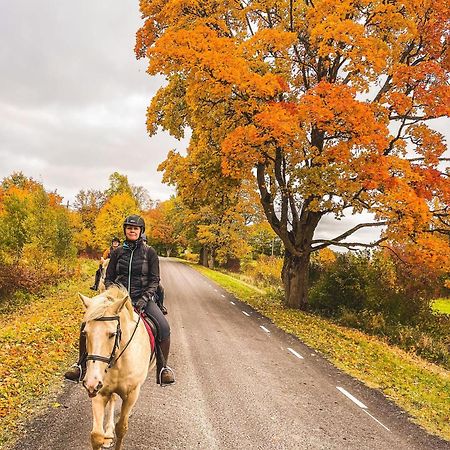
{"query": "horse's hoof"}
(108, 443)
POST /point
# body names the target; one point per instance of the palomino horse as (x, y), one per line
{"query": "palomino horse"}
(118, 361)
(101, 283)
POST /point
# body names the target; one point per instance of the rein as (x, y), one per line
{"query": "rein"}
(112, 359)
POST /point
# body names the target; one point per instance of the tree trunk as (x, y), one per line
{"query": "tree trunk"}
(204, 256)
(295, 276)
(212, 259)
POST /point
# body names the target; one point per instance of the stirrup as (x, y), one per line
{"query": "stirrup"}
(160, 376)
(80, 376)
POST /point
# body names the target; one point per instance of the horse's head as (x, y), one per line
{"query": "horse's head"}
(103, 317)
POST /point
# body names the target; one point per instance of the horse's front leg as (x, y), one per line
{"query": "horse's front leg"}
(109, 422)
(122, 425)
(98, 414)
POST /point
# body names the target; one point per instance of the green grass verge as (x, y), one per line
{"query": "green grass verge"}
(441, 306)
(37, 342)
(420, 388)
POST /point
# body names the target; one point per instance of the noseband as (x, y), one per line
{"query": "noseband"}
(111, 360)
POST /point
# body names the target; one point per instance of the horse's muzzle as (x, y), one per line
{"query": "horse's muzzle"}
(92, 393)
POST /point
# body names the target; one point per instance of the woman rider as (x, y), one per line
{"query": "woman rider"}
(136, 266)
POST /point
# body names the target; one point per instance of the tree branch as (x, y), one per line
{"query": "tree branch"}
(349, 245)
(353, 230)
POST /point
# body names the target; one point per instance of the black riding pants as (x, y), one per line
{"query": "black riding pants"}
(152, 310)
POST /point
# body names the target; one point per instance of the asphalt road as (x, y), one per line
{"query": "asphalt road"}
(241, 384)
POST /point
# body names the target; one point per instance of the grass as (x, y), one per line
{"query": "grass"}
(420, 388)
(441, 306)
(36, 342)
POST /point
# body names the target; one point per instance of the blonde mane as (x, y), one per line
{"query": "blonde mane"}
(102, 302)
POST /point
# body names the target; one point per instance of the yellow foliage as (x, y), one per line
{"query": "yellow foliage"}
(37, 341)
(109, 222)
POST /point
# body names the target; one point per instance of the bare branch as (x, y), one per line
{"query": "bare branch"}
(351, 231)
(422, 159)
(414, 118)
(349, 245)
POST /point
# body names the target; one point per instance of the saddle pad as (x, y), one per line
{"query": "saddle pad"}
(150, 333)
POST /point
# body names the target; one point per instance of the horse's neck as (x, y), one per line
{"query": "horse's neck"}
(131, 329)
(127, 324)
(134, 343)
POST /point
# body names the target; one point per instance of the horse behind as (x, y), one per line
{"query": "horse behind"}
(101, 284)
(118, 361)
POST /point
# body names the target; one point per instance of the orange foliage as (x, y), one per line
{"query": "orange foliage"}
(325, 102)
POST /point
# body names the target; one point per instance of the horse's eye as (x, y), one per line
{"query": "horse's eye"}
(111, 335)
(83, 333)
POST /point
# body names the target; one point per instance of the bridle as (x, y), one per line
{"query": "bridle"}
(112, 358)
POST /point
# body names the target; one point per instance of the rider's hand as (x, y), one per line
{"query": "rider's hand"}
(141, 304)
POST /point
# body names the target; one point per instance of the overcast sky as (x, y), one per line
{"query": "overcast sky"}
(73, 99)
(73, 96)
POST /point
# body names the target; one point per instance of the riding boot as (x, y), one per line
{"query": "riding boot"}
(77, 372)
(164, 374)
(98, 275)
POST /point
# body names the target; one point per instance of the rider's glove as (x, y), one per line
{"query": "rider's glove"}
(141, 304)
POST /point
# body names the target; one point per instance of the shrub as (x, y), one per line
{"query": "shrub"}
(191, 257)
(265, 271)
(376, 294)
(343, 285)
(36, 236)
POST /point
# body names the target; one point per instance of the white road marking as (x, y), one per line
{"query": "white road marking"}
(264, 328)
(222, 295)
(361, 405)
(232, 303)
(350, 396)
(216, 290)
(376, 420)
(295, 353)
(246, 313)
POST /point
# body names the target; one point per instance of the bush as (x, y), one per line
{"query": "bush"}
(36, 236)
(344, 285)
(265, 271)
(377, 295)
(191, 257)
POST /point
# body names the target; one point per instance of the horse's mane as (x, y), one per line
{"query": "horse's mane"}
(102, 302)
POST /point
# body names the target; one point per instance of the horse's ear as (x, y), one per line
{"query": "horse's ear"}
(86, 300)
(117, 307)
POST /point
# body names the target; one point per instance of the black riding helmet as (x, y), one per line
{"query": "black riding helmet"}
(115, 239)
(135, 221)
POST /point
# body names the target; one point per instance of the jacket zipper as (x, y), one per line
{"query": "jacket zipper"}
(129, 271)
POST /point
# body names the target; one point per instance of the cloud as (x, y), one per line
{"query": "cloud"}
(73, 100)
(73, 96)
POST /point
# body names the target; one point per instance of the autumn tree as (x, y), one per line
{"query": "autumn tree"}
(97, 222)
(88, 204)
(109, 221)
(165, 227)
(36, 235)
(215, 212)
(263, 240)
(325, 104)
(119, 184)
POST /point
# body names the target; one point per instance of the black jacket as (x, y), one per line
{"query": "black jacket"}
(143, 280)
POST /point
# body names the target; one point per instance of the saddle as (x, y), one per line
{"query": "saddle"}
(151, 330)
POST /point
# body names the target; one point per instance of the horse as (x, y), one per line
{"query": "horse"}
(101, 283)
(118, 361)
